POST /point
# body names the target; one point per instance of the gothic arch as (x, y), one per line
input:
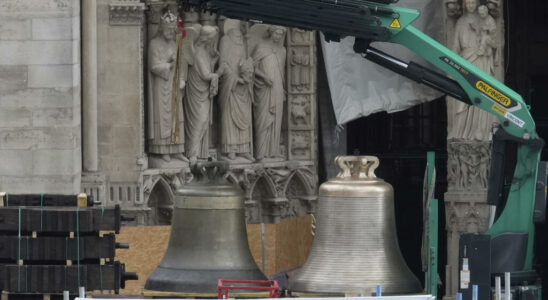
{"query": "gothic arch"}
(299, 177)
(160, 201)
(263, 188)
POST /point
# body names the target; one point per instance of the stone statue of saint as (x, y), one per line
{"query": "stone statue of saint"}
(201, 86)
(269, 58)
(474, 40)
(166, 120)
(235, 95)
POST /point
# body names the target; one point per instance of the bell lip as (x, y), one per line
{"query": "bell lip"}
(411, 287)
(196, 281)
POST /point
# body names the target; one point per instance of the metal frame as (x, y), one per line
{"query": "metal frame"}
(253, 285)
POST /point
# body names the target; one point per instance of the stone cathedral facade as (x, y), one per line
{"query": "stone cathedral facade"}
(278, 185)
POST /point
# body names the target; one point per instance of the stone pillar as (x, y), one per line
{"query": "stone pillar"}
(476, 32)
(40, 96)
(117, 115)
(302, 93)
(89, 84)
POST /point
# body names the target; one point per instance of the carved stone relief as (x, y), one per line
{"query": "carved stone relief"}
(468, 165)
(247, 95)
(300, 69)
(244, 77)
(126, 12)
(301, 111)
(300, 143)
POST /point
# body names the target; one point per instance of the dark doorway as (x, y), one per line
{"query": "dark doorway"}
(401, 141)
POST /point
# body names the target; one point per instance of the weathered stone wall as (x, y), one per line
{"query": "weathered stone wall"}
(40, 96)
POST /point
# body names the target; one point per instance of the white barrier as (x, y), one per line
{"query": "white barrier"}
(416, 297)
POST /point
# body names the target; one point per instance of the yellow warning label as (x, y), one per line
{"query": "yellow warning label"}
(499, 110)
(395, 24)
(493, 93)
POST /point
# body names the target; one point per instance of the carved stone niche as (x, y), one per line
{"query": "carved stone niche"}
(126, 12)
(159, 188)
(278, 192)
(273, 192)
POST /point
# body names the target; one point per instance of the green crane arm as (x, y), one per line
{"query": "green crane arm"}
(490, 95)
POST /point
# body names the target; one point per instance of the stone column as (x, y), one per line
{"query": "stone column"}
(476, 32)
(301, 94)
(89, 84)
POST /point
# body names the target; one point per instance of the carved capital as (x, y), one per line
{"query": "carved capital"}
(126, 12)
(467, 212)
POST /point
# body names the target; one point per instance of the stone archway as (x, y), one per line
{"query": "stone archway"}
(301, 194)
(263, 192)
(160, 203)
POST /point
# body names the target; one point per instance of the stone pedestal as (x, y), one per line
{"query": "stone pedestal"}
(466, 212)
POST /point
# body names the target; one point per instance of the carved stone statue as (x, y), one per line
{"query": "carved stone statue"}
(235, 95)
(300, 35)
(166, 120)
(269, 93)
(468, 165)
(474, 40)
(300, 64)
(453, 8)
(202, 85)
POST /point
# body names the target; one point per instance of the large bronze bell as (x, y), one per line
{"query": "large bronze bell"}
(208, 238)
(355, 246)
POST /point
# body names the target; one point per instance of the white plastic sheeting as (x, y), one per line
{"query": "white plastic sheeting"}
(360, 88)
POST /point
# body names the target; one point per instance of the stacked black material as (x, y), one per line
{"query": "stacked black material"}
(55, 243)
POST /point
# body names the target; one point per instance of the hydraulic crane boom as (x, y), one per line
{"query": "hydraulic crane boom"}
(370, 21)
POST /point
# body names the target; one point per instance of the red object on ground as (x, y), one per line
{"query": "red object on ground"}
(268, 285)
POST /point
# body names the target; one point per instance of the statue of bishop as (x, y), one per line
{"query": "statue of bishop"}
(166, 120)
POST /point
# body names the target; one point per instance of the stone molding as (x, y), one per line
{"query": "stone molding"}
(273, 192)
(126, 12)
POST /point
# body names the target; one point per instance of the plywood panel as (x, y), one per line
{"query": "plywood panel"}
(147, 246)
